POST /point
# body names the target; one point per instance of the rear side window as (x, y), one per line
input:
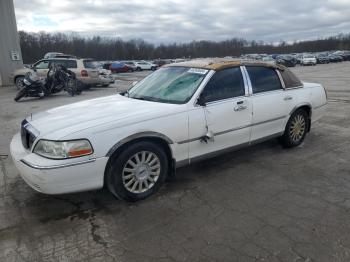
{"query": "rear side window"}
(66, 63)
(89, 64)
(289, 79)
(263, 79)
(71, 64)
(224, 84)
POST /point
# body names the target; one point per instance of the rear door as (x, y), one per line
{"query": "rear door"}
(271, 102)
(226, 117)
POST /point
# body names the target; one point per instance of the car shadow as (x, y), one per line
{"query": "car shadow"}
(50, 208)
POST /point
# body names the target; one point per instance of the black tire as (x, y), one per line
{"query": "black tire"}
(21, 93)
(138, 69)
(19, 82)
(294, 135)
(153, 68)
(114, 174)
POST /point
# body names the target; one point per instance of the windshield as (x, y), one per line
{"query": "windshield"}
(174, 85)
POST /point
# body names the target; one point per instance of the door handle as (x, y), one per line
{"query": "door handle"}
(288, 98)
(240, 108)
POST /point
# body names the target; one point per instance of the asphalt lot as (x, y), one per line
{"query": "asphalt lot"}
(262, 203)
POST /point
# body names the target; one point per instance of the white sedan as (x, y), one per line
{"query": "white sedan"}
(179, 114)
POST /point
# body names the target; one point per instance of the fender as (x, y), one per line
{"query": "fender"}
(300, 105)
(138, 135)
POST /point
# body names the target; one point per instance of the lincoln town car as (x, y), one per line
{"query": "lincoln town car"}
(184, 112)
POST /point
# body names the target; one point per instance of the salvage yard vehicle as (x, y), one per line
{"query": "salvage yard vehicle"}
(308, 59)
(83, 69)
(322, 58)
(119, 67)
(143, 65)
(286, 60)
(179, 114)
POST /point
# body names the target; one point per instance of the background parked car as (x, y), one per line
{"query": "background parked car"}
(322, 59)
(335, 58)
(84, 69)
(268, 59)
(344, 54)
(130, 64)
(286, 60)
(160, 63)
(143, 65)
(308, 59)
(118, 67)
(105, 75)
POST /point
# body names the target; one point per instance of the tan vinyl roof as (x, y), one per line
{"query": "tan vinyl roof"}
(219, 64)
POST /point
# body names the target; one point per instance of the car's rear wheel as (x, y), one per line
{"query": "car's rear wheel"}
(296, 129)
(138, 171)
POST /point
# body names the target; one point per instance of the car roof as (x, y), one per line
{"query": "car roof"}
(219, 64)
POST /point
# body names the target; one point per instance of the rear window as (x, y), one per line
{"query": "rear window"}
(89, 64)
(289, 79)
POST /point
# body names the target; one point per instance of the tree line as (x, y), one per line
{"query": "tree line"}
(35, 45)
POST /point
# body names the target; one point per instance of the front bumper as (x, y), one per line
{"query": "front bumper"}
(57, 176)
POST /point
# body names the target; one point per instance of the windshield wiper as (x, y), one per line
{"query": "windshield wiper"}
(138, 97)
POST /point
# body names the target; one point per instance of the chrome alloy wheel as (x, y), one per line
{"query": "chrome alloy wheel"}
(297, 128)
(141, 172)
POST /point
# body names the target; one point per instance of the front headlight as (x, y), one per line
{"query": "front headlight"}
(26, 82)
(63, 149)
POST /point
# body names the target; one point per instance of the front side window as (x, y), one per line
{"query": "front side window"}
(174, 85)
(224, 84)
(263, 79)
(42, 65)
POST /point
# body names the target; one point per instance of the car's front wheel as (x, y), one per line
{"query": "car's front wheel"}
(19, 82)
(138, 171)
(296, 129)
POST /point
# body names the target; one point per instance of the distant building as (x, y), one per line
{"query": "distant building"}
(10, 50)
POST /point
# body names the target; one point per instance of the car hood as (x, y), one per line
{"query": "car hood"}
(105, 112)
(22, 71)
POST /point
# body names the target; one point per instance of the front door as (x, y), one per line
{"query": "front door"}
(42, 67)
(225, 120)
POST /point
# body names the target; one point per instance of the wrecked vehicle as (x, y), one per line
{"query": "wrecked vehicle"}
(179, 114)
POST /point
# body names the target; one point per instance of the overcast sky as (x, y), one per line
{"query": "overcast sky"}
(164, 21)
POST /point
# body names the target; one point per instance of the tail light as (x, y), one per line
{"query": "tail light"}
(84, 73)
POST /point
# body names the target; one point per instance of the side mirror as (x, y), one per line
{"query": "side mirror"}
(201, 100)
